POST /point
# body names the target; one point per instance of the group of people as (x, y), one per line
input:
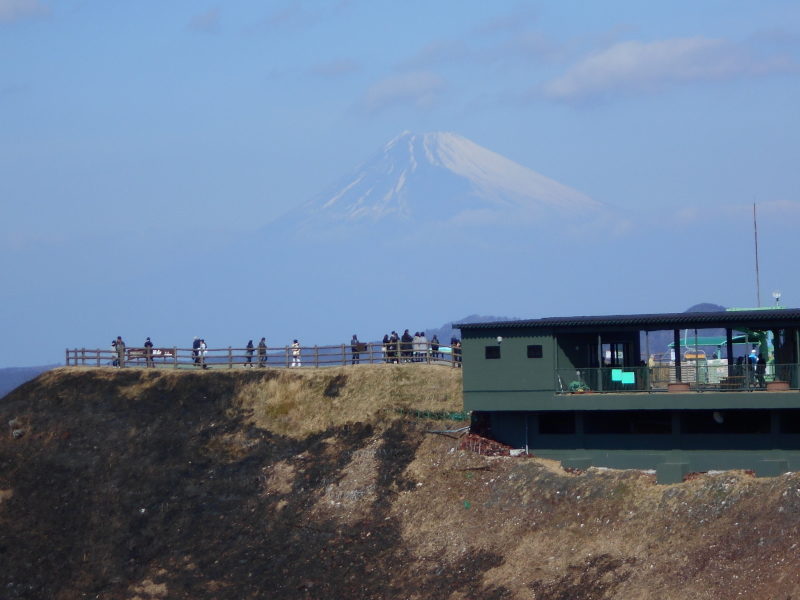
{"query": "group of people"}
(395, 348)
(199, 348)
(262, 353)
(118, 352)
(408, 348)
(754, 367)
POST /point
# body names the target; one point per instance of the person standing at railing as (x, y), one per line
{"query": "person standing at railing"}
(202, 351)
(120, 352)
(196, 350)
(114, 355)
(435, 346)
(296, 362)
(148, 353)
(385, 348)
(262, 352)
(761, 370)
(752, 362)
(394, 341)
(423, 347)
(249, 353)
(457, 351)
(406, 346)
(738, 368)
(355, 350)
(415, 345)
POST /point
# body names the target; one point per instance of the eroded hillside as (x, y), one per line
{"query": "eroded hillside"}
(337, 483)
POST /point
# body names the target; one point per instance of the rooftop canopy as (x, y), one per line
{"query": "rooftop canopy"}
(757, 319)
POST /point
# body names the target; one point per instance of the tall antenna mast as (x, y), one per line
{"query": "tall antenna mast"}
(755, 233)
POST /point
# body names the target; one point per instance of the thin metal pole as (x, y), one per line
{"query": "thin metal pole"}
(755, 234)
(648, 374)
(599, 363)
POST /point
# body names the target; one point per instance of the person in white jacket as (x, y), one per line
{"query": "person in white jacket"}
(296, 354)
(423, 347)
(203, 348)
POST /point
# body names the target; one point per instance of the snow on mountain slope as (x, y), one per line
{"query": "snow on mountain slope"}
(442, 177)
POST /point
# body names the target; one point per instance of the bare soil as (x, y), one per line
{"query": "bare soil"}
(346, 483)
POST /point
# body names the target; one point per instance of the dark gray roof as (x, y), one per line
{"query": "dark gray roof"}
(753, 319)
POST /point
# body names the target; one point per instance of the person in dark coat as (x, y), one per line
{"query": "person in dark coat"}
(406, 344)
(394, 341)
(120, 351)
(761, 370)
(355, 350)
(196, 350)
(262, 352)
(148, 353)
(435, 346)
(249, 352)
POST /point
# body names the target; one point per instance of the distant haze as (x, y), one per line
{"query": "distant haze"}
(418, 178)
(431, 227)
(312, 170)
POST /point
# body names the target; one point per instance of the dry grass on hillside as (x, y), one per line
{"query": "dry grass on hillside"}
(310, 483)
(299, 402)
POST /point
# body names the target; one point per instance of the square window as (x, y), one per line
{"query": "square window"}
(492, 351)
(535, 351)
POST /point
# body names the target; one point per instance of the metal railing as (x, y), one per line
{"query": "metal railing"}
(284, 356)
(697, 376)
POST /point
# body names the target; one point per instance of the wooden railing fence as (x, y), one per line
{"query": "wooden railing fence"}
(284, 356)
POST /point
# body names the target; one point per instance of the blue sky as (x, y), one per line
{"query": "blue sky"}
(183, 121)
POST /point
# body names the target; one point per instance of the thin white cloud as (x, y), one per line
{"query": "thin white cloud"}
(787, 209)
(785, 212)
(650, 66)
(207, 22)
(14, 10)
(440, 52)
(517, 19)
(302, 14)
(292, 16)
(335, 68)
(419, 89)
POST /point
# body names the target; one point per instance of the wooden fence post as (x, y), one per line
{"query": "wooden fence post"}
(230, 358)
(175, 357)
(316, 355)
(287, 357)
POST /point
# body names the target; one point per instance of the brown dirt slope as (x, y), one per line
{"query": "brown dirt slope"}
(159, 485)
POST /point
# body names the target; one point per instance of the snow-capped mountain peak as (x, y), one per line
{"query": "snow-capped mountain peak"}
(443, 177)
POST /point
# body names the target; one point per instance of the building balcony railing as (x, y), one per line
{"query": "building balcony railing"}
(695, 376)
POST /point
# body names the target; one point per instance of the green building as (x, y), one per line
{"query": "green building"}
(596, 391)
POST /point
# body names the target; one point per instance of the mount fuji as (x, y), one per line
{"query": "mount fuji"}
(433, 226)
(438, 179)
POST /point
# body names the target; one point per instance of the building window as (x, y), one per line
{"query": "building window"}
(535, 351)
(492, 351)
